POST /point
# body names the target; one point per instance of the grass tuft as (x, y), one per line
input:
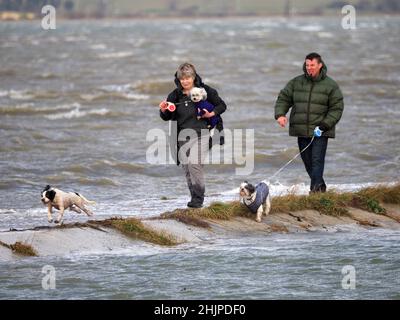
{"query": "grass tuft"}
(134, 228)
(21, 248)
(216, 211)
(329, 203)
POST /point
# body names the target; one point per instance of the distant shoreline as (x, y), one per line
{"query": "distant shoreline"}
(28, 16)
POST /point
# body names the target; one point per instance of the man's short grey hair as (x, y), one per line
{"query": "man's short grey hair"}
(186, 70)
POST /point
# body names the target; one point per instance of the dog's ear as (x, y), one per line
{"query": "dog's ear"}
(191, 93)
(50, 195)
(250, 188)
(203, 93)
(47, 188)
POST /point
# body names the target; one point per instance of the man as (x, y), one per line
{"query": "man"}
(316, 102)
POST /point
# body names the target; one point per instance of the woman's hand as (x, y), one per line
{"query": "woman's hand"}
(208, 114)
(163, 105)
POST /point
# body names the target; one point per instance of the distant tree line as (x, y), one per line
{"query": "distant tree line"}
(101, 8)
(368, 5)
(34, 5)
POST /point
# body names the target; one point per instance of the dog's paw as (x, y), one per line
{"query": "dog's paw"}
(50, 220)
(258, 219)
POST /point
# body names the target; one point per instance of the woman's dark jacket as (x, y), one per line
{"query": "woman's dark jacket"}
(186, 112)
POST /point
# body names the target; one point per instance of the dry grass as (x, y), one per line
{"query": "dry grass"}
(216, 211)
(336, 204)
(382, 193)
(371, 198)
(329, 203)
(21, 248)
(134, 228)
(182, 215)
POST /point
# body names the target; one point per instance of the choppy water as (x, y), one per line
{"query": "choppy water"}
(77, 102)
(281, 266)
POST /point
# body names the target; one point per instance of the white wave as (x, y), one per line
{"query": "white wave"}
(307, 28)
(34, 42)
(230, 33)
(75, 39)
(325, 35)
(136, 96)
(34, 212)
(29, 107)
(369, 25)
(311, 28)
(17, 94)
(115, 90)
(18, 106)
(116, 87)
(7, 211)
(77, 113)
(90, 96)
(20, 95)
(130, 250)
(268, 23)
(137, 43)
(59, 107)
(99, 46)
(120, 54)
(303, 189)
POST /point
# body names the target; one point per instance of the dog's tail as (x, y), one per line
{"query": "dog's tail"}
(84, 199)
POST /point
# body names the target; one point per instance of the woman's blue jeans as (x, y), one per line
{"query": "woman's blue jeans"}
(314, 161)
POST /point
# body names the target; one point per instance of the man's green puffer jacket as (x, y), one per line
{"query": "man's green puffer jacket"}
(314, 102)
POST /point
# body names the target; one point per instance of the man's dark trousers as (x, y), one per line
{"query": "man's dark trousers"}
(314, 161)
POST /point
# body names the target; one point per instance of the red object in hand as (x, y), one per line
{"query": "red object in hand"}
(171, 107)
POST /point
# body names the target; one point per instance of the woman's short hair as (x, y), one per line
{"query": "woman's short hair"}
(186, 70)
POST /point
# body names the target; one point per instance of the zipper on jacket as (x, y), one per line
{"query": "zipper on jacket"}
(308, 108)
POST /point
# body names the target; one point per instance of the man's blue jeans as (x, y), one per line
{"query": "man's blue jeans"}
(314, 161)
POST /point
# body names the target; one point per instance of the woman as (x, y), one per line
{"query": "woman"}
(192, 151)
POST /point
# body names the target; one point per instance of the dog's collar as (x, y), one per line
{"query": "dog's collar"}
(249, 199)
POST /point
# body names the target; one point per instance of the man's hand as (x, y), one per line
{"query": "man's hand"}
(317, 132)
(282, 121)
(208, 114)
